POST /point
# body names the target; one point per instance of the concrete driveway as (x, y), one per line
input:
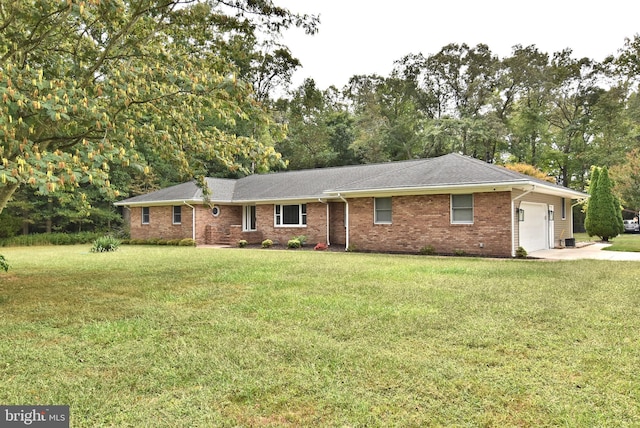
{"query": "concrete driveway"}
(589, 251)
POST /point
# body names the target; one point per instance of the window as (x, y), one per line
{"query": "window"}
(563, 209)
(382, 207)
(177, 214)
(249, 218)
(145, 215)
(462, 209)
(291, 215)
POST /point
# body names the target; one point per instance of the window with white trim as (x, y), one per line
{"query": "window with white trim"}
(382, 208)
(249, 218)
(145, 215)
(177, 214)
(462, 209)
(290, 215)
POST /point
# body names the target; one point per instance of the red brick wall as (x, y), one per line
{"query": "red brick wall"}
(161, 223)
(315, 231)
(418, 221)
(218, 229)
(337, 232)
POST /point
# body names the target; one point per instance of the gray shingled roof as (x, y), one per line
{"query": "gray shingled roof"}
(451, 170)
(185, 192)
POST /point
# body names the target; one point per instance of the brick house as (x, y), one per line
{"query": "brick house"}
(452, 203)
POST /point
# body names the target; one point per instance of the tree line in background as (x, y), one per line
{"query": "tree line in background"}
(554, 114)
(113, 98)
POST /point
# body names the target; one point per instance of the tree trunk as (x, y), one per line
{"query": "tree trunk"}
(6, 192)
(48, 222)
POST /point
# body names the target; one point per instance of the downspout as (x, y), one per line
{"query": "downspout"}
(193, 220)
(324, 202)
(346, 221)
(513, 214)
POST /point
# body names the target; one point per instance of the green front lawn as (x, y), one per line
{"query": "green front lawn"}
(179, 336)
(623, 242)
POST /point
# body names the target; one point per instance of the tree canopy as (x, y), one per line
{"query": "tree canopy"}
(89, 86)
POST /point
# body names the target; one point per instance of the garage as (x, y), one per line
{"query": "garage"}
(533, 226)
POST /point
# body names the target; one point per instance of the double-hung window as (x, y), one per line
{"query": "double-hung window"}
(249, 218)
(462, 209)
(290, 215)
(382, 208)
(177, 214)
(145, 215)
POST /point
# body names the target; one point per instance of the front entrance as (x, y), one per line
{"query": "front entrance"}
(534, 228)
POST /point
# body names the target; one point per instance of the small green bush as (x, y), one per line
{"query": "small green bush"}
(175, 242)
(353, 248)
(187, 242)
(105, 244)
(302, 239)
(427, 250)
(294, 243)
(267, 243)
(459, 252)
(521, 253)
(242, 243)
(4, 265)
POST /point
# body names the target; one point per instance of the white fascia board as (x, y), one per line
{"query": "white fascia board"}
(431, 190)
(559, 191)
(285, 201)
(462, 188)
(165, 202)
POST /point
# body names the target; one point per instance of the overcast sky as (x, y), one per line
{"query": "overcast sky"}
(367, 36)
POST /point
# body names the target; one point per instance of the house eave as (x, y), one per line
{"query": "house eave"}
(183, 201)
(458, 189)
(329, 195)
(293, 200)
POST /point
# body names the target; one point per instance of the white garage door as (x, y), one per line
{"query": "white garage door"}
(533, 229)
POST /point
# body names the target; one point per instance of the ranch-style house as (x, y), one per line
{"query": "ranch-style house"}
(453, 203)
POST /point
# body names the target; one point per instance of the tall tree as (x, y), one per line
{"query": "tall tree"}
(86, 83)
(522, 101)
(307, 145)
(604, 216)
(626, 176)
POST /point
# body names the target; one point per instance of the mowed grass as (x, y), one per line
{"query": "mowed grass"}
(623, 242)
(178, 336)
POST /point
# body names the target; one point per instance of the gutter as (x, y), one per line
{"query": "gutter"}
(346, 221)
(193, 220)
(513, 214)
(462, 188)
